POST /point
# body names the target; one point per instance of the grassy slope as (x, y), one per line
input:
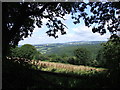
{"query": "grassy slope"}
(68, 50)
(72, 70)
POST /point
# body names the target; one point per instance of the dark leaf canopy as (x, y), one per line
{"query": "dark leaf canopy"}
(19, 18)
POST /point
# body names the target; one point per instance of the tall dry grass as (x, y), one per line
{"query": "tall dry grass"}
(67, 67)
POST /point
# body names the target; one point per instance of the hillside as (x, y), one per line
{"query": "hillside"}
(68, 48)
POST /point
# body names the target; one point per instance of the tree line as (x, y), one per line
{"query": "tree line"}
(107, 56)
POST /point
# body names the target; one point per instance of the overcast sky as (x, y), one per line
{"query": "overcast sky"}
(77, 32)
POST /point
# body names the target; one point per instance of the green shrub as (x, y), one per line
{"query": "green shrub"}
(83, 56)
(72, 60)
(112, 53)
(109, 56)
(26, 51)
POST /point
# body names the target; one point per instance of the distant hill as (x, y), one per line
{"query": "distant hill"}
(69, 47)
(84, 42)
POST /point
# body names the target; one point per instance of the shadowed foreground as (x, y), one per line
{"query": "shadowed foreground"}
(21, 75)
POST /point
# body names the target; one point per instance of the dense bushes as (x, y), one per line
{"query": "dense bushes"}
(109, 56)
(111, 59)
(100, 58)
(83, 56)
(112, 54)
(72, 60)
(26, 51)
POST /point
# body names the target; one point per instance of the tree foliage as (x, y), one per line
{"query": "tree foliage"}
(112, 53)
(26, 51)
(19, 18)
(72, 60)
(100, 59)
(109, 56)
(14, 52)
(83, 56)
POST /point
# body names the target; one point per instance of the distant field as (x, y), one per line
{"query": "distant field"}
(68, 49)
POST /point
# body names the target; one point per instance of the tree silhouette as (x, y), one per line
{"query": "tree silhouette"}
(83, 56)
(19, 18)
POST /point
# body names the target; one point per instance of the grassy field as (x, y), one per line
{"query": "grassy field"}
(53, 75)
(71, 76)
(66, 68)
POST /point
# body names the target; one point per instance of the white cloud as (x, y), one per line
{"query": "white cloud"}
(67, 16)
(86, 34)
(29, 40)
(80, 33)
(74, 33)
(82, 29)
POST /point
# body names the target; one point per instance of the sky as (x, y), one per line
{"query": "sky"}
(78, 32)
